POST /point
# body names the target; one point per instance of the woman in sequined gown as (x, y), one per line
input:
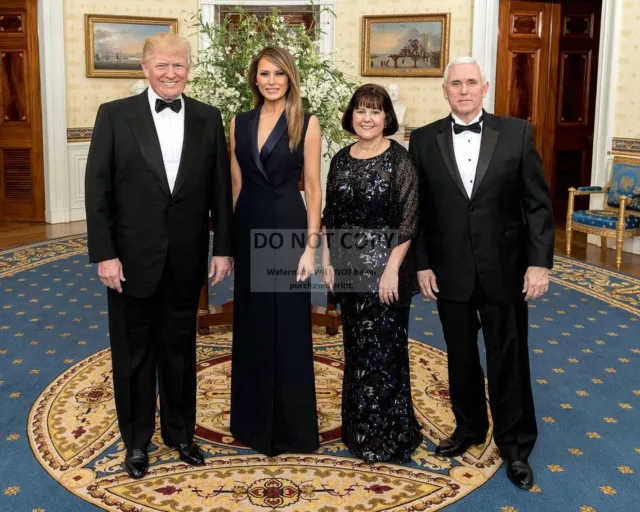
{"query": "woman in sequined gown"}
(372, 188)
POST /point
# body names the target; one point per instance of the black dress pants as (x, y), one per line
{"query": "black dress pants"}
(153, 341)
(505, 329)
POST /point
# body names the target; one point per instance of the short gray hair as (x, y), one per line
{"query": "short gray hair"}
(463, 60)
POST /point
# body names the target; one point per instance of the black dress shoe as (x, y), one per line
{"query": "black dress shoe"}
(136, 462)
(520, 473)
(452, 447)
(190, 453)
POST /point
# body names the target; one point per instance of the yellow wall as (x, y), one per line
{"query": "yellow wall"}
(84, 95)
(423, 96)
(627, 119)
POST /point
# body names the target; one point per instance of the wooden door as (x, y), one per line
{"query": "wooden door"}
(577, 74)
(546, 73)
(21, 159)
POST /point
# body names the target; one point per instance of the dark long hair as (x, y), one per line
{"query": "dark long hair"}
(371, 96)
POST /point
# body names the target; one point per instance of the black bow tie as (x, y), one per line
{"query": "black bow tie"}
(473, 127)
(174, 105)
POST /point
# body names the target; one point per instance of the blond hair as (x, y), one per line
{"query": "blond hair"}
(293, 102)
(165, 42)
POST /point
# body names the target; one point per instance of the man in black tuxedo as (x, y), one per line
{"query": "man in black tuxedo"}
(156, 174)
(485, 248)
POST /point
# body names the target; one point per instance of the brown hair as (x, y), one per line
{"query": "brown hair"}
(166, 42)
(293, 106)
(371, 96)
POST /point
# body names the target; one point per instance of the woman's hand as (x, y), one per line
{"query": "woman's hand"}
(388, 289)
(306, 266)
(328, 275)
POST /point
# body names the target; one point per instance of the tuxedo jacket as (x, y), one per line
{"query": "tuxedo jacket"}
(131, 212)
(494, 235)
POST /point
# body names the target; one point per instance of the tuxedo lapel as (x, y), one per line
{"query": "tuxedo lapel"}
(487, 147)
(445, 142)
(144, 130)
(253, 133)
(194, 127)
(274, 137)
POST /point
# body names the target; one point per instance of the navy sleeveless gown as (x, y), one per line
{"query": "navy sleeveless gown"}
(273, 404)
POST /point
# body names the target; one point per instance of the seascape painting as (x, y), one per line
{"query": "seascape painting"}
(114, 44)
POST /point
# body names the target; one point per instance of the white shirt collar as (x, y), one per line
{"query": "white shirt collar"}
(459, 121)
(153, 96)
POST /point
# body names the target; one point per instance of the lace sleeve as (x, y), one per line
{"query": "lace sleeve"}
(328, 218)
(406, 197)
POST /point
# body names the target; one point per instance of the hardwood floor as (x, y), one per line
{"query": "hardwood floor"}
(581, 250)
(20, 233)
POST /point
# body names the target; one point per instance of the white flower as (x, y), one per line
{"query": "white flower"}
(220, 75)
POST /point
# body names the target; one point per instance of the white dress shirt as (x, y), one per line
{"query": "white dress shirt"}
(170, 129)
(466, 147)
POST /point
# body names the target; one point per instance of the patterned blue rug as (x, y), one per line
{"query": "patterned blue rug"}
(61, 451)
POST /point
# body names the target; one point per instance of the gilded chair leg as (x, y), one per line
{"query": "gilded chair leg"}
(603, 245)
(572, 193)
(619, 242)
(620, 230)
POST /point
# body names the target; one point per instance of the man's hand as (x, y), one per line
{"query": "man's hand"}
(536, 283)
(221, 266)
(428, 286)
(110, 273)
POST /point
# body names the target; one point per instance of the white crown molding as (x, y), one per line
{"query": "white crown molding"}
(54, 109)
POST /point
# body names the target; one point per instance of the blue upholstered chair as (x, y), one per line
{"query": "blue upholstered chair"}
(620, 216)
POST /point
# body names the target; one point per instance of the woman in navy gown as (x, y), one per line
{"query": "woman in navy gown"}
(273, 404)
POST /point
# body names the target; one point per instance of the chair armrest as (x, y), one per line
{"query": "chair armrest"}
(584, 191)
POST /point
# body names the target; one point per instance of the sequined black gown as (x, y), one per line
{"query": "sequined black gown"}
(379, 193)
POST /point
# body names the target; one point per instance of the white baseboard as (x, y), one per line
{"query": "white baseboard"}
(77, 158)
(56, 217)
(77, 214)
(73, 194)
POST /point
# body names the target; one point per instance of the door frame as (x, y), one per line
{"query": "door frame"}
(485, 51)
(54, 110)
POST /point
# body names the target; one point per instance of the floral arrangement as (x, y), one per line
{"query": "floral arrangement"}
(219, 75)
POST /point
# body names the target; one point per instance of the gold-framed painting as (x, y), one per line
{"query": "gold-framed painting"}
(405, 45)
(113, 44)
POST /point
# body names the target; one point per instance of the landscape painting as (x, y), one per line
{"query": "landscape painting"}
(406, 45)
(114, 43)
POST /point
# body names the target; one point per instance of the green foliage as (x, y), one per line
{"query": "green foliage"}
(219, 75)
